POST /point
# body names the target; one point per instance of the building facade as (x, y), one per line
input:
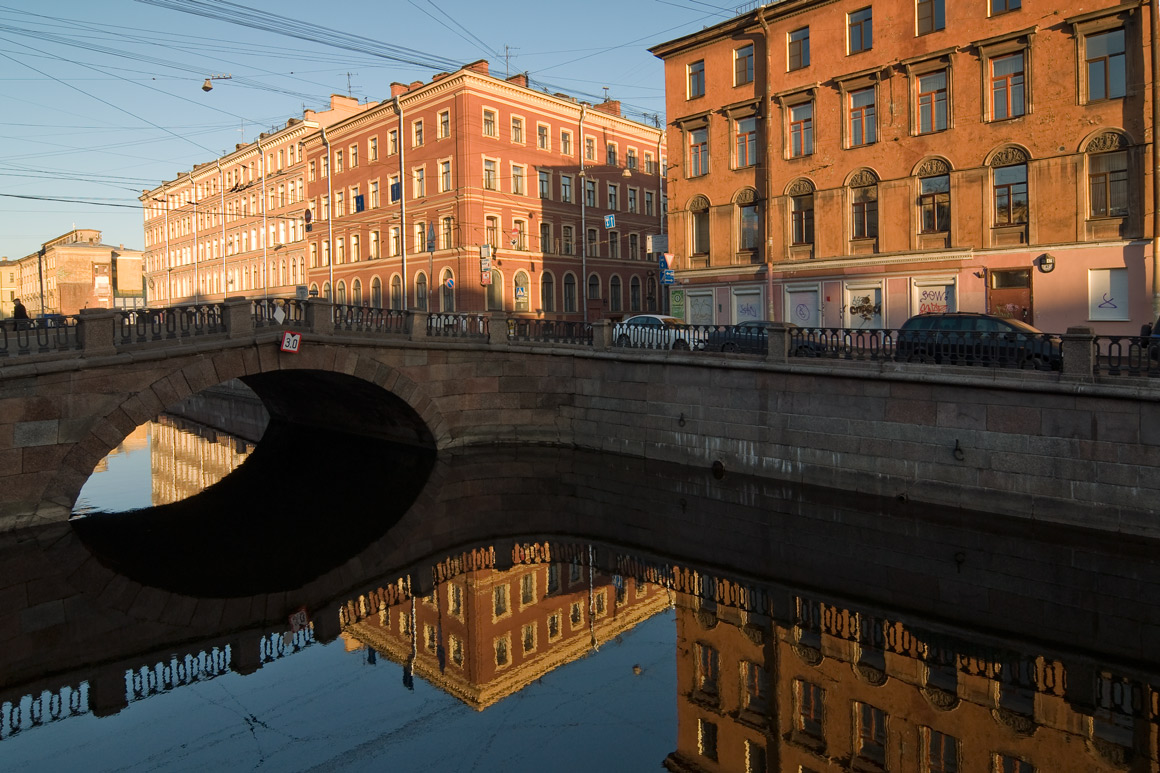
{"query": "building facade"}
(474, 193)
(853, 163)
(74, 271)
(235, 225)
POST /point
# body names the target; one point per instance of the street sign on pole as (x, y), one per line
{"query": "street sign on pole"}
(610, 221)
(668, 276)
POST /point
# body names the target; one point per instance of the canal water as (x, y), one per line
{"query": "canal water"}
(322, 602)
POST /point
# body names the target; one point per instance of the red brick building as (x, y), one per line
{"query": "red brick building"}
(473, 193)
(853, 163)
(74, 271)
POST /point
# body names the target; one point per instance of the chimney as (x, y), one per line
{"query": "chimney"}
(398, 89)
(479, 66)
(414, 85)
(611, 107)
(520, 79)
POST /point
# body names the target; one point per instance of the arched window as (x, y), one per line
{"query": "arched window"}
(1108, 186)
(547, 293)
(651, 297)
(699, 214)
(634, 294)
(1009, 186)
(614, 294)
(748, 221)
(864, 205)
(593, 287)
(801, 211)
(356, 292)
(495, 291)
(522, 294)
(340, 299)
(396, 292)
(447, 291)
(377, 293)
(326, 290)
(934, 197)
(569, 293)
(421, 291)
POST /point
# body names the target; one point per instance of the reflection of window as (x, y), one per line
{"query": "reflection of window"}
(1007, 764)
(1011, 195)
(706, 675)
(499, 596)
(942, 752)
(1106, 77)
(1108, 184)
(934, 204)
(547, 297)
(810, 711)
(755, 680)
(501, 651)
(871, 733)
(707, 739)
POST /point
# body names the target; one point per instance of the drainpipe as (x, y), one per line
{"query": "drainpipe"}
(765, 110)
(1154, 13)
(193, 197)
(329, 217)
(402, 198)
(583, 216)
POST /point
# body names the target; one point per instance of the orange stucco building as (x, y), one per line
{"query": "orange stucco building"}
(854, 163)
(472, 193)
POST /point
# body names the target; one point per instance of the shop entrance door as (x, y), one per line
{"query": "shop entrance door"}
(1009, 294)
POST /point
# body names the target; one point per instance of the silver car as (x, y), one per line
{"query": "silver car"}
(654, 331)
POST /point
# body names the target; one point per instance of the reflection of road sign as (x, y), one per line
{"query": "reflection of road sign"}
(430, 237)
(668, 276)
(299, 620)
(290, 342)
(610, 221)
(449, 283)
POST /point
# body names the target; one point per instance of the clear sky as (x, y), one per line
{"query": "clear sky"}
(104, 97)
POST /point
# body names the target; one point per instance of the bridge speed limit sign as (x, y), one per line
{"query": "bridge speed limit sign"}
(290, 342)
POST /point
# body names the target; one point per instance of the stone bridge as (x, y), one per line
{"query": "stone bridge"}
(1076, 446)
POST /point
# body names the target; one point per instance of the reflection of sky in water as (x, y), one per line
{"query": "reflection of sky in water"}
(123, 481)
(327, 709)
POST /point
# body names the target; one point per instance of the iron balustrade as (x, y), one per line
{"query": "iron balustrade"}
(137, 326)
(1127, 356)
(1042, 351)
(446, 325)
(682, 338)
(266, 310)
(279, 645)
(550, 331)
(39, 336)
(162, 677)
(38, 710)
(370, 319)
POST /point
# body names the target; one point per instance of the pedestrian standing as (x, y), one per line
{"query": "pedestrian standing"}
(19, 313)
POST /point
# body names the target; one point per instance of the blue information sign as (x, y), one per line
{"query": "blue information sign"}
(668, 277)
(610, 221)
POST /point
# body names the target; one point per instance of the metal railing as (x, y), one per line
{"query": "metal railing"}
(43, 708)
(38, 336)
(1043, 351)
(550, 331)
(1127, 356)
(142, 325)
(278, 312)
(369, 319)
(457, 325)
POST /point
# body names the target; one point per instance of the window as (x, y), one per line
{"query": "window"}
(649, 164)
(354, 250)
(648, 202)
(871, 733)
(491, 230)
(755, 683)
(613, 196)
(353, 156)
(593, 248)
(374, 245)
(630, 158)
(632, 200)
(395, 188)
(610, 155)
(420, 183)
(501, 651)
(447, 231)
(942, 752)
(696, 79)
(1005, 763)
(545, 238)
(545, 182)
(570, 307)
(801, 130)
(338, 161)
(377, 293)
(374, 194)
(1106, 76)
(613, 247)
(1011, 195)
(860, 30)
(396, 241)
(489, 180)
(547, 302)
(864, 209)
(517, 130)
(930, 16)
(750, 227)
(810, 716)
(799, 48)
(633, 246)
(527, 589)
(707, 739)
(863, 127)
(519, 236)
(743, 65)
(755, 758)
(589, 149)
(1108, 184)
(489, 123)
(444, 124)
(802, 218)
(529, 637)
(700, 215)
(932, 102)
(444, 176)
(566, 239)
(566, 143)
(392, 142)
(500, 600)
(542, 137)
(1007, 86)
(447, 291)
(590, 193)
(310, 174)
(417, 133)
(934, 204)
(518, 187)
(566, 188)
(746, 142)
(1003, 6)
(698, 152)
(634, 294)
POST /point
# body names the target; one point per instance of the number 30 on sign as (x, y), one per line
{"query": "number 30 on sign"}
(290, 342)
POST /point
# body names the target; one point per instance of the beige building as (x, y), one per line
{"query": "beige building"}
(74, 271)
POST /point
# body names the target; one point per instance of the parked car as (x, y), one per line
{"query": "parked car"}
(967, 338)
(752, 337)
(1150, 339)
(655, 331)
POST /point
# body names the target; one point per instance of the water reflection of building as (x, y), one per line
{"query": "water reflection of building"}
(837, 690)
(484, 633)
(188, 457)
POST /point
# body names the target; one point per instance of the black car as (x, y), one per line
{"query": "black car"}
(752, 337)
(971, 338)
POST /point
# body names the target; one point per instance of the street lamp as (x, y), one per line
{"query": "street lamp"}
(208, 85)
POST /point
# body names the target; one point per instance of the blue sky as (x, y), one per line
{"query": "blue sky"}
(104, 98)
